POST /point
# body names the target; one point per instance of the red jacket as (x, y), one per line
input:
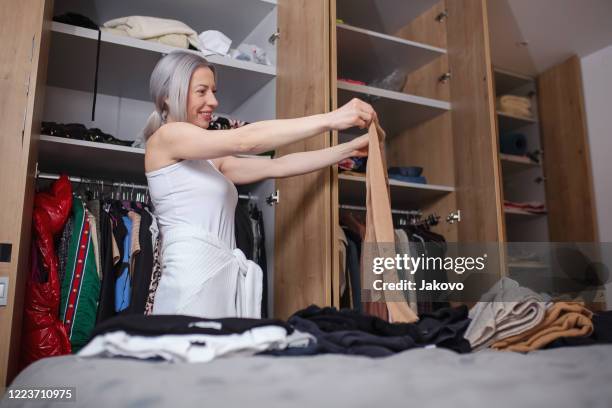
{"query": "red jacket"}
(44, 334)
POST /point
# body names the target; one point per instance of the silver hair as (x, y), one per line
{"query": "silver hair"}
(170, 79)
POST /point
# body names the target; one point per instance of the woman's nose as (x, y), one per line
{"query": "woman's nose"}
(212, 100)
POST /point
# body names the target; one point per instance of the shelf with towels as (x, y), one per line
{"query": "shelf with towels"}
(235, 18)
(126, 64)
(368, 55)
(352, 191)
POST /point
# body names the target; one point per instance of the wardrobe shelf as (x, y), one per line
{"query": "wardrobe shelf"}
(521, 213)
(235, 18)
(506, 82)
(91, 159)
(397, 111)
(509, 123)
(383, 16)
(512, 164)
(367, 55)
(126, 64)
(352, 191)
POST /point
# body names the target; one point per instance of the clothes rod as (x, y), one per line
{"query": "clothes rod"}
(50, 176)
(402, 212)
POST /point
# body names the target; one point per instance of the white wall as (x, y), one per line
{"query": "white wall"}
(597, 82)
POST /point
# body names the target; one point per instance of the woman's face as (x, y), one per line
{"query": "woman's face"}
(201, 101)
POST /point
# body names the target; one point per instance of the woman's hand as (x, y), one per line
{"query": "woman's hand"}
(358, 146)
(354, 113)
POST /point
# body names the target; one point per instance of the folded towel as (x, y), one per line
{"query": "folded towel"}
(146, 28)
(535, 207)
(515, 105)
(506, 310)
(563, 319)
(515, 101)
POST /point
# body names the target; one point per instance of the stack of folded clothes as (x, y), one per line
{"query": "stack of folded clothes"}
(354, 164)
(533, 207)
(510, 317)
(161, 30)
(562, 320)
(80, 132)
(506, 310)
(412, 174)
(188, 339)
(515, 105)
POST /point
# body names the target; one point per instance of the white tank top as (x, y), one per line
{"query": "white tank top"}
(194, 193)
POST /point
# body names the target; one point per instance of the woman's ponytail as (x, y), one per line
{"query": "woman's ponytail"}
(154, 122)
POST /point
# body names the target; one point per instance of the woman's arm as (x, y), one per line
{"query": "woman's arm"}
(185, 141)
(245, 171)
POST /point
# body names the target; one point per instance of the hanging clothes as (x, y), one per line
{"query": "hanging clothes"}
(123, 287)
(81, 285)
(142, 265)
(44, 335)
(106, 305)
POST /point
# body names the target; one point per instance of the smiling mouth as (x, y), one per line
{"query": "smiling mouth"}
(205, 115)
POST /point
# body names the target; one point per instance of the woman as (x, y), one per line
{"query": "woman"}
(192, 171)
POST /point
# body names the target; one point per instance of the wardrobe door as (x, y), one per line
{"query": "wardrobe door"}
(567, 163)
(477, 173)
(24, 29)
(302, 268)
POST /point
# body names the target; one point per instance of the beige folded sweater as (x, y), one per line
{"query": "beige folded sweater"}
(563, 319)
(171, 32)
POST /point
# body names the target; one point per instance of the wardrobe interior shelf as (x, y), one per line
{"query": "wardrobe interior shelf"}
(367, 55)
(506, 82)
(509, 123)
(514, 164)
(235, 18)
(383, 16)
(397, 111)
(352, 191)
(90, 159)
(521, 213)
(126, 64)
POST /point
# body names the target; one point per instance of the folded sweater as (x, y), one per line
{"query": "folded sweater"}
(563, 319)
(506, 310)
(153, 28)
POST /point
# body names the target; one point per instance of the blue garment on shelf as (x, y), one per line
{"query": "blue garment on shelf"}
(123, 285)
(513, 143)
(399, 177)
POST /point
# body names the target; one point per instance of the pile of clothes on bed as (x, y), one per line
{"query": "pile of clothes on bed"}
(508, 317)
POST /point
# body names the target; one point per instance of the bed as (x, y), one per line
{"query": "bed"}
(570, 377)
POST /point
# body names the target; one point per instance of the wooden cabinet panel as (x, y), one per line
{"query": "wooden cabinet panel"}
(24, 29)
(302, 268)
(477, 173)
(567, 163)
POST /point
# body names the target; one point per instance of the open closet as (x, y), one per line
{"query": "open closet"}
(424, 65)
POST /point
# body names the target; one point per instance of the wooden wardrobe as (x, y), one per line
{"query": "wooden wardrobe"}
(443, 119)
